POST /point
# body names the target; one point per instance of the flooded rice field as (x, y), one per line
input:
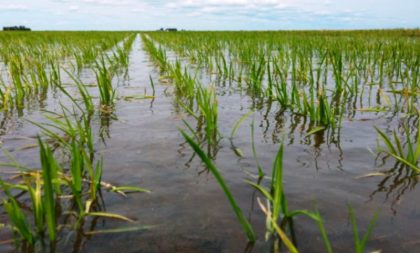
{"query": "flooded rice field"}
(301, 136)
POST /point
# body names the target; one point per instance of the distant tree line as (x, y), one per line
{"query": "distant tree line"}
(168, 29)
(16, 28)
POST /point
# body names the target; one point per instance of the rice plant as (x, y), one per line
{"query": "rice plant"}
(207, 105)
(213, 169)
(318, 78)
(405, 150)
(104, 81)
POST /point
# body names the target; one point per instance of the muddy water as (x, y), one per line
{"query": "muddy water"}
(187, 208)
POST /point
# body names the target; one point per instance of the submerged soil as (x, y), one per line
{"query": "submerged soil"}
(187, 210)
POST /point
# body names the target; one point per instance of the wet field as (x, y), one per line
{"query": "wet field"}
(187, 211)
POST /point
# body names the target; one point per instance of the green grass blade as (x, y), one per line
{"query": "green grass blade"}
(109, 215)
(261, 189)
(207, 161)
(239, 123)
(47, 175)
(386, 140)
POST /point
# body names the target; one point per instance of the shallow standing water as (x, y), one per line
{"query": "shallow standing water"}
(187, 208)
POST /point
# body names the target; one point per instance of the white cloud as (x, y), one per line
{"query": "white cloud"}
(232, 3)
(107, 2)
(13, 7)
(211, 14)
(74, 7)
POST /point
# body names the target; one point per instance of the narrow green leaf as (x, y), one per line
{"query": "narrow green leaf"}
(207, 161)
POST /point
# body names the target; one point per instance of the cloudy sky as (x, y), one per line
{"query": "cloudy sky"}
(210, 14)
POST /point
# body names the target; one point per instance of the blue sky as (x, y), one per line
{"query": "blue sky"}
(210, 14)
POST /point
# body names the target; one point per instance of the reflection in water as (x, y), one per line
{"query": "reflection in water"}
(7, 116)
(400, 178)
(297, 126)
(200, 136)
(105, 123)
(397, 181)
(86, 227)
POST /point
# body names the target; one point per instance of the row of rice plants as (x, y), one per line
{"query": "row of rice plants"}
(56, 199)
(34, 62)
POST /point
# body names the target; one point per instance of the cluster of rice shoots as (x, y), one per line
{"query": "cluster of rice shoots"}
(65, 190)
